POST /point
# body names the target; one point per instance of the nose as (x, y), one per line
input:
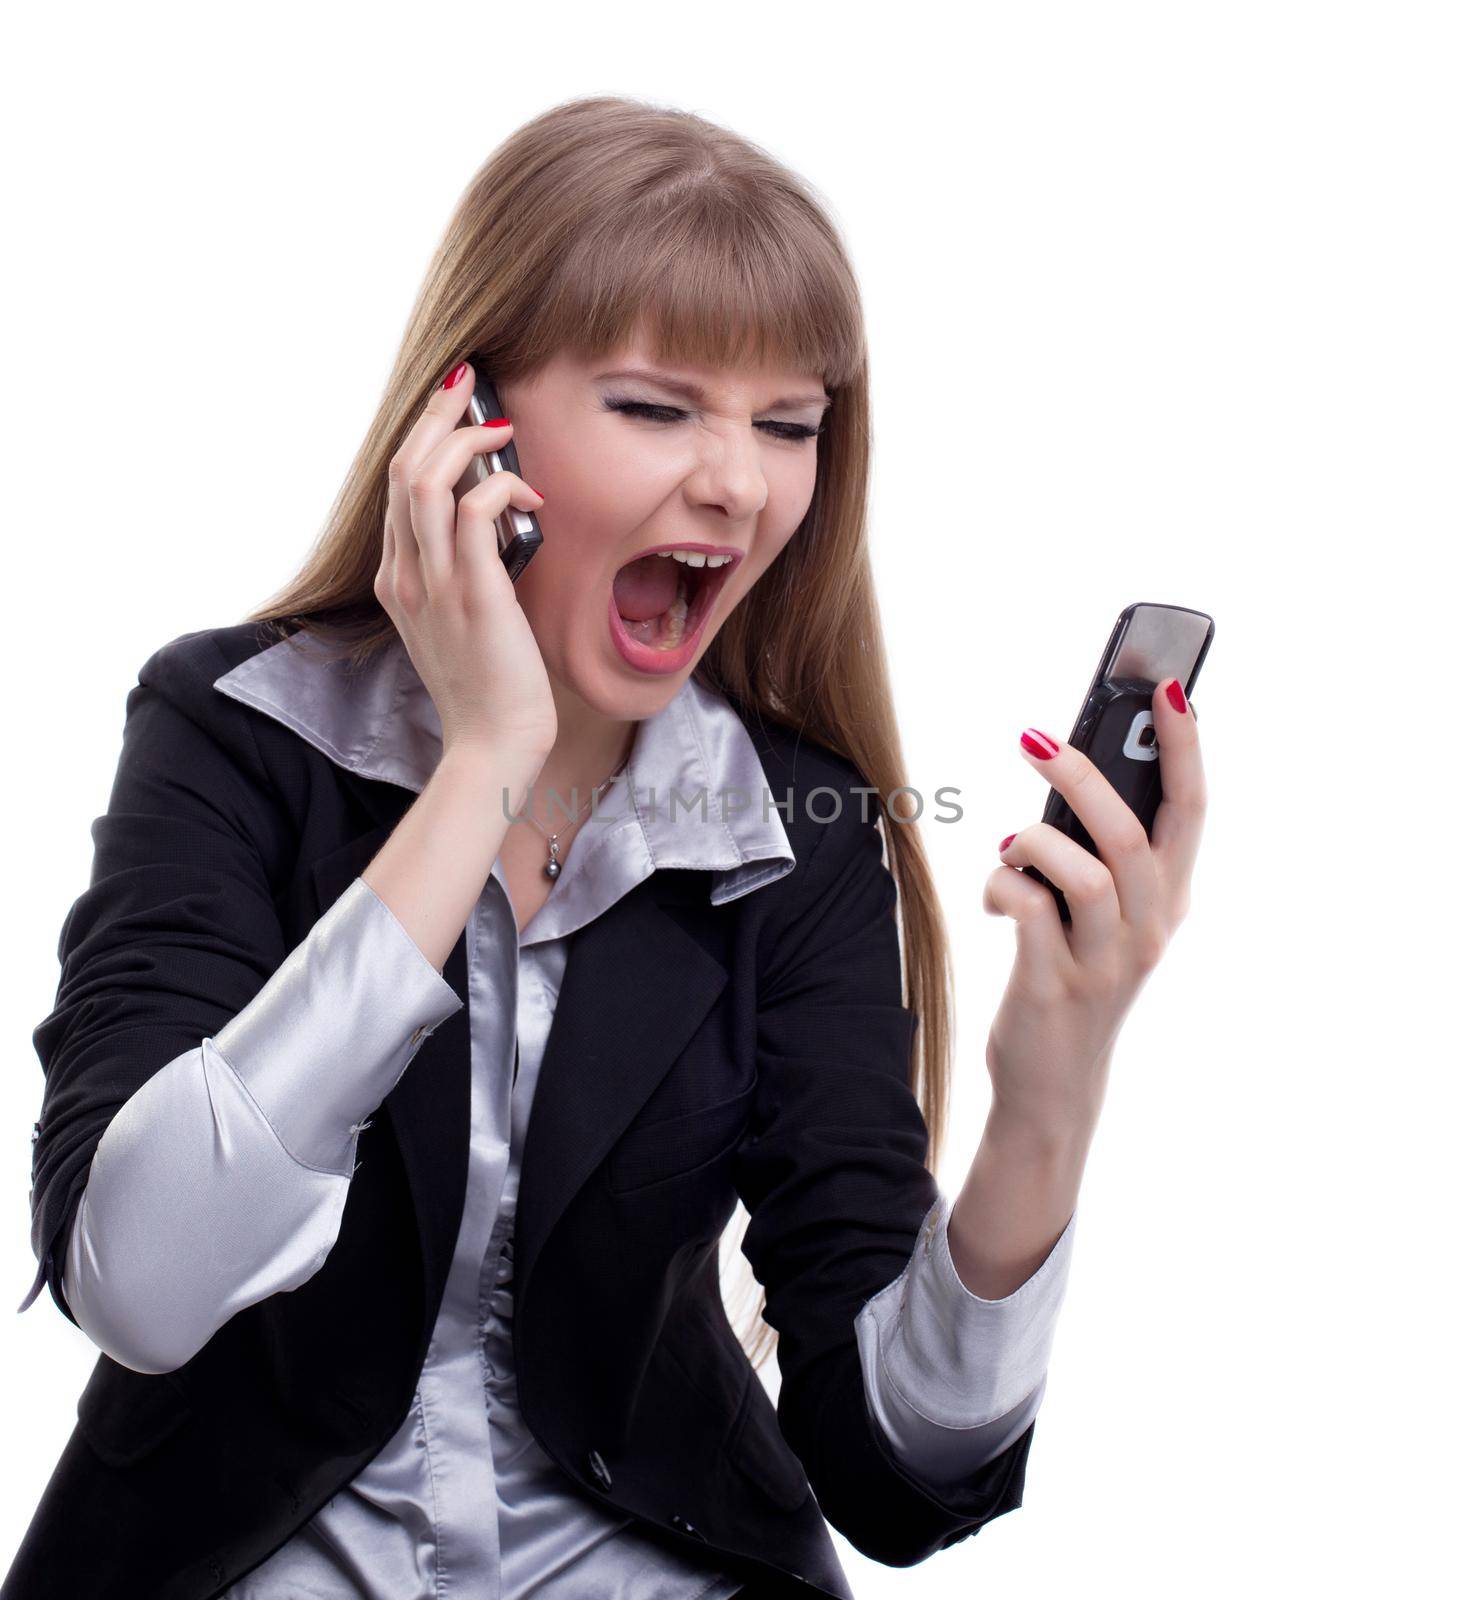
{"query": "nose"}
(728, 475)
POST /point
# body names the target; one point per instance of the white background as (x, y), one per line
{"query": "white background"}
(1161, 307)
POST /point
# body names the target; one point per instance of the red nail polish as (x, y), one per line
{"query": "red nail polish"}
(1175, 693)
(1039, 745)
(497, 422)
(454, 377)
(1005, 842)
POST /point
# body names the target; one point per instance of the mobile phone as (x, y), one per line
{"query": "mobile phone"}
(1115, 727)
(518, 533)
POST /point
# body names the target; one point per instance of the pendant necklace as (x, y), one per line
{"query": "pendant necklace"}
(553, 867)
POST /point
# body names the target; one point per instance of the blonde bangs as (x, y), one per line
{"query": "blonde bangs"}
(698, 273)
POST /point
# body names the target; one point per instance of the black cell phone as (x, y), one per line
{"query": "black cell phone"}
(518, 533)
(1115, 727)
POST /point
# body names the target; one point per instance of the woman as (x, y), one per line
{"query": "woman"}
(363, 1335)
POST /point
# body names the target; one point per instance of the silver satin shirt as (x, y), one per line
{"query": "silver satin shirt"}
(247, 1144)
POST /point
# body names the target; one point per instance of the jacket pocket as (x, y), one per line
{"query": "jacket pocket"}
(126, 1415)
(674, 1147)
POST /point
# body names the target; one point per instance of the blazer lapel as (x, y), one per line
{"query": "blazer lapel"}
(637, 986)
(430, 1110)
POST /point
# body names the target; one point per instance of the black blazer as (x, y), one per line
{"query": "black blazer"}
(699, 1054)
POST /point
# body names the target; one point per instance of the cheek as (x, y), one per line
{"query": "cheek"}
(768, 547)
(553, 593)
(602, 486)
(793, 487)
(792, 494)
(566, 573)
(571, 472)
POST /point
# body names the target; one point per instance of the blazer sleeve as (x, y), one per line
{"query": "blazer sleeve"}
(183, 1029)
(223, 1179)
(832, 1172)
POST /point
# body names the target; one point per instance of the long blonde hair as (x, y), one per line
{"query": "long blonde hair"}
(600, 216)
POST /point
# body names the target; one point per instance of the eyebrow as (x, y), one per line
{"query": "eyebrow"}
(692, 391)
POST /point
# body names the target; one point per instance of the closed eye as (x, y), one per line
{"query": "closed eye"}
(792, 432)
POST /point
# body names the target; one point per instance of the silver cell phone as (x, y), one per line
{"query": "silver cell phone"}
(518, 533)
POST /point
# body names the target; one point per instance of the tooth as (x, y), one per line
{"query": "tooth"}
(693, 558)
(677, 618)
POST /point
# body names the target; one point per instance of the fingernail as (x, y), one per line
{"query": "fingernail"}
(1005, 842)
(454, 377)
(539, 495)
(1175, 693)
(497, 422)
(1039, 745)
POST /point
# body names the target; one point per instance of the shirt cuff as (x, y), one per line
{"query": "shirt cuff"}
(332, 1031)
(950, 1378)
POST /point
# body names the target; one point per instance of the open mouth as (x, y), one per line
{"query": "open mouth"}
(662, 598)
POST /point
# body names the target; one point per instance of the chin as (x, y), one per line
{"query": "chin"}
(602, 680)
(613, 691)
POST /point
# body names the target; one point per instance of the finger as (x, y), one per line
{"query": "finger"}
(455, 461)
(1178, 823)
(477, 549)
(422, 558)
(434, 508)
(1121, 842)
(1041, 944)
(1087, 884)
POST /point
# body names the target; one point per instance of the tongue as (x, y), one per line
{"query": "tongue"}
(645, 588)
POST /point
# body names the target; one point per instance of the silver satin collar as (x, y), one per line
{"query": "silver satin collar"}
(381, 723)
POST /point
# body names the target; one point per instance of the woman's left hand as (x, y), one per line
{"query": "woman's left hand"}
(1072, 984)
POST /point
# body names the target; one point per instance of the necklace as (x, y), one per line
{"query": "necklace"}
(553, 867)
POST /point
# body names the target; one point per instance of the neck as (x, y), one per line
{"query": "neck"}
(589, 748)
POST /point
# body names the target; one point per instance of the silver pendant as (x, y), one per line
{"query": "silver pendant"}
(553, 868)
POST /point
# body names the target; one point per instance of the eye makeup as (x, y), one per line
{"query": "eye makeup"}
(790, 432)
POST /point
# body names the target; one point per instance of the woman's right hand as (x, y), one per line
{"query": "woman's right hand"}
(442, 581)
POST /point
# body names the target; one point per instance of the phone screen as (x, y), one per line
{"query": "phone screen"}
(1157, 642)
